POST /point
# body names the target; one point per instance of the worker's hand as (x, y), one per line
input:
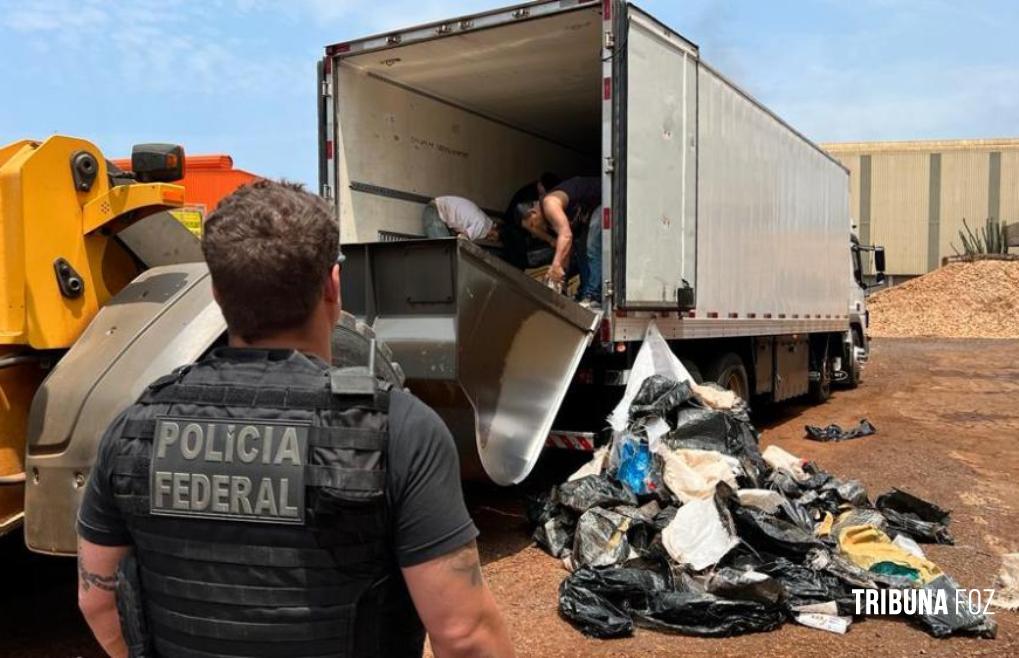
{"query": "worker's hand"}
(556, 274)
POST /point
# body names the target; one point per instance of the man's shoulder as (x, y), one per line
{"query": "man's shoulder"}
(408, 413)
(419, 441)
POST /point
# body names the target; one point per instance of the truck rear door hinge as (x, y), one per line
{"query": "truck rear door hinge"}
(327, 88)
(610, 40)
(610, 164)
(327, 192)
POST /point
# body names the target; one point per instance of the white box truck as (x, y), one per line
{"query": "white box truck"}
(720, 222)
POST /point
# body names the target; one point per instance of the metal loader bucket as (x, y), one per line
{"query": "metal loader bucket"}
(486, 346)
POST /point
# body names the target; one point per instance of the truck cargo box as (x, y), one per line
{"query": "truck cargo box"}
(718, 217)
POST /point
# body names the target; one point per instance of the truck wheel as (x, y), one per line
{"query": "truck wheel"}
(820, 389)
(854, 369)
(728, 371)
(351, 342)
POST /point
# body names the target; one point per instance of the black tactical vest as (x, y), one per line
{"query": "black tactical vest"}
(254, 487)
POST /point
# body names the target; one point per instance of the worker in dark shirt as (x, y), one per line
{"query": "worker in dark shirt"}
(520, 248)
(567, 217)
(263, 503)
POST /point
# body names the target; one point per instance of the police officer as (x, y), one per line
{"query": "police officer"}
(267, 504)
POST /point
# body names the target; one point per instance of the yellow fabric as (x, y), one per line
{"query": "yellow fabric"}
(866, 546)
(823, 528)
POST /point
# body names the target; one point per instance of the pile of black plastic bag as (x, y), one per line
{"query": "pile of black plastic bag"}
(683, 525)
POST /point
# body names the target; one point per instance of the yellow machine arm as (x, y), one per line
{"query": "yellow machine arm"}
(59, 262)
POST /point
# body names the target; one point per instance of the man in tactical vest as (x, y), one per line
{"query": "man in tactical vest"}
(262, 503)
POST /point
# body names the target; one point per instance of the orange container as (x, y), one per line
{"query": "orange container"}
(207, 179)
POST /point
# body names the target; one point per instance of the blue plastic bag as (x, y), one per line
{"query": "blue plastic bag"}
(635, 464)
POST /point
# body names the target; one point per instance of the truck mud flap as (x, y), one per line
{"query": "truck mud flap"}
(163, 319)
(490, 349)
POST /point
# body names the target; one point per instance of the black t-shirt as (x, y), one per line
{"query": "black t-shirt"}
(583, 194)
(423, 488)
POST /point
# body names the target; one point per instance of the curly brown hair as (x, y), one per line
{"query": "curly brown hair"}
(269, 247)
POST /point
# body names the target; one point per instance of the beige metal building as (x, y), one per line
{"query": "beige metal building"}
(911, 197)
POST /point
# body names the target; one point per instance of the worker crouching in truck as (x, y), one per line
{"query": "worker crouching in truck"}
(568, 218)
(446, 216)
(260, 502)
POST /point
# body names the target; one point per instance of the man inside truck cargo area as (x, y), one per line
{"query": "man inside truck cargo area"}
(446, 216)
(260, 502)
(568, 218)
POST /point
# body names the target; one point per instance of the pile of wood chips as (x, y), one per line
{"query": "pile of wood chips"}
(960, 300)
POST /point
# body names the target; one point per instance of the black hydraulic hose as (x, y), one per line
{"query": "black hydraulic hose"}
(17, 360)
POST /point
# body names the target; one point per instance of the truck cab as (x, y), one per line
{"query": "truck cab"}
(857, 343)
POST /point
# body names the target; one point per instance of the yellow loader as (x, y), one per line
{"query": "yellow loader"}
(77, 236)
(101, 292)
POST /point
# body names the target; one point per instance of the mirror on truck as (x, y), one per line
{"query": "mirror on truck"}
(157, 163)
(879, 261)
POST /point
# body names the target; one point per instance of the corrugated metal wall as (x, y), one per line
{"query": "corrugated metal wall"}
(912, 196)
(963, 195)
(898, 211)
(1010, 186)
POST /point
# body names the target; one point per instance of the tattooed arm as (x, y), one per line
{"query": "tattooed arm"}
(456, 606)
(97, 581)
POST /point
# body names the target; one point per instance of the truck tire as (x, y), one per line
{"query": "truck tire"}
(728, 371)
(820, 389)
(853, 369)
(351, 343)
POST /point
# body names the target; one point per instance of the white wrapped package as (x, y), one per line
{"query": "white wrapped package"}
(766, 500)
(698, 535)
(781, 460)
(691, 474)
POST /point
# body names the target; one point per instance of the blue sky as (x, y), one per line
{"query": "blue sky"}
(237, 76)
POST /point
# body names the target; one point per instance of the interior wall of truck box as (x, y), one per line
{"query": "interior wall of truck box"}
(477, 115)
(772, 214)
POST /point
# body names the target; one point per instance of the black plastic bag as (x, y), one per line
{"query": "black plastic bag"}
(555, 534)
(922, 531)
(664, 517)
(907, 503)
(553, 524)
(835, 433)
(853, 492)
(958, 619)
(642, 530)
(915, 517)
(592, 614)
(594, 491)
(694, 613)
(624, 587)
(784, 483)
(700, 428)
(797, 514)
(600, 539)
(771, 533)
(730, 583)
(804, 585)
(659, 396)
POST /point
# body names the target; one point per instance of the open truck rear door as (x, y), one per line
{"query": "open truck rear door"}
(654, 77)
